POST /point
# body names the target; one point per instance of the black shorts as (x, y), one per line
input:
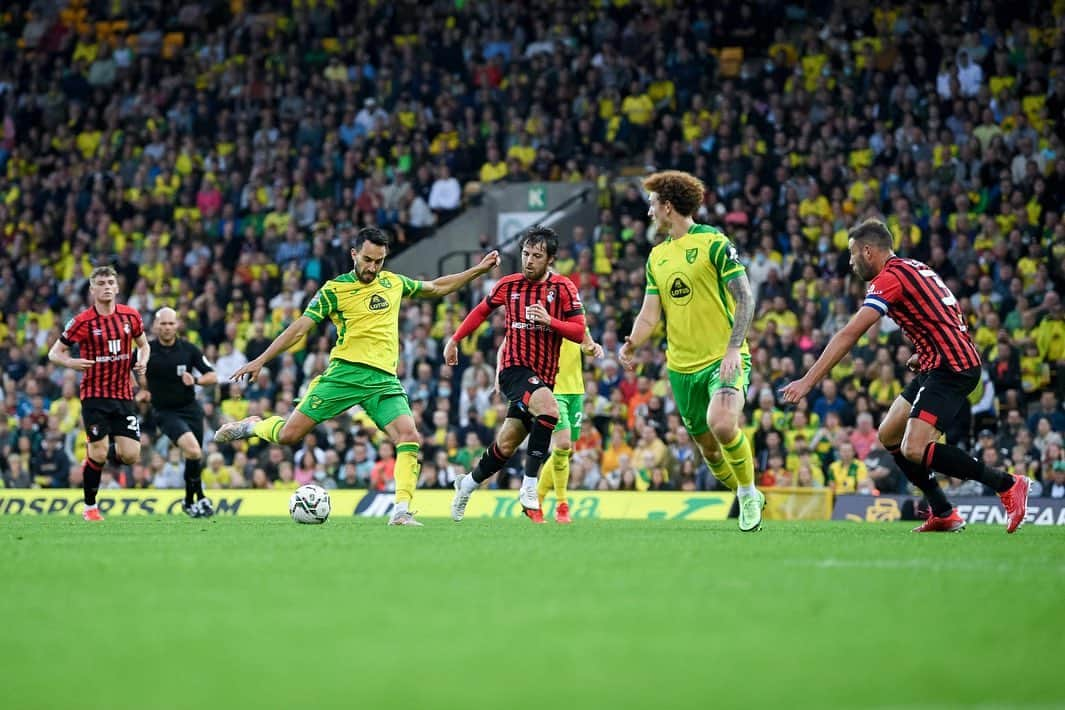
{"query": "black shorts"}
(175, 423)
(110, 417)
(937, 396)
(517, 384)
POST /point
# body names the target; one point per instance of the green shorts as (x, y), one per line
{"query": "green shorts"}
(570, 413)
(692, 392)
(346, 384)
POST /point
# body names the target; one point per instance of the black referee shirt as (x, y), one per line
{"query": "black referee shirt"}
(165, 368)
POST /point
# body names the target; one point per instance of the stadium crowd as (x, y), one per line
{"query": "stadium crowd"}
(221, 155)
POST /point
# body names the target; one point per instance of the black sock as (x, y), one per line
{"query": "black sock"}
(91, 473)
(193, 484)
(954, 462)
(539, 443)
(924, 479)
(491, 462)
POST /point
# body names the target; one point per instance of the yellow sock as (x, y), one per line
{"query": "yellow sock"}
(269, 428)
(406, 471)
(560, 458)
(543, 486)
(722, 472)
(739, 458)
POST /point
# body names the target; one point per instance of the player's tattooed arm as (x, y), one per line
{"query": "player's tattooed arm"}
(740, 288)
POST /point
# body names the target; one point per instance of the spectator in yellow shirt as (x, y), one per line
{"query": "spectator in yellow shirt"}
(848, 474)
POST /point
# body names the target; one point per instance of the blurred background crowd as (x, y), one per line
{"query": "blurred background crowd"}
(221, 155)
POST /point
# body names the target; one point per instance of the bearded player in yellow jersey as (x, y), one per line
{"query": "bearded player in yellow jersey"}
(364, 305)
(696, 279)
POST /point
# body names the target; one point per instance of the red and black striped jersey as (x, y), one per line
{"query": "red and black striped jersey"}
(530, 344)
(912, 294)
(108, 341)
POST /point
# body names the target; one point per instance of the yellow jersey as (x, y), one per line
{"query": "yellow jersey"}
(366, 316)
(570, 378)
(689, 274)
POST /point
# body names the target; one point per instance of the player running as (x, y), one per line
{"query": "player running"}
(364, 305)
(948, 366)
(542, 308)
(105, 333)
(170, 386)
(696, 279)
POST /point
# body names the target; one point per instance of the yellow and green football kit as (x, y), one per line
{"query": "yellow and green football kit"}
(689, 274)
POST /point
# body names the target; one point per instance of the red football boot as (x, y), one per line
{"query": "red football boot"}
(562, 514)
(949, 523)
(1015, 501)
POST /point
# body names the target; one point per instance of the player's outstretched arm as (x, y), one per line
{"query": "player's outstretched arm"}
(289, 337)
(470, 323)
(840, 344)
(646, 322)
(60, 355)
(444, 285)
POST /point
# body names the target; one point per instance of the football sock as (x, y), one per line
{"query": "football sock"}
(91, 473)
(269, 428)
(924, 479)
(539, 443)
(560, 458)
(193, 483)
(738, 455)
(406, 471)
(491, 461)
(722, 472)
(547, 478)
(955, 462)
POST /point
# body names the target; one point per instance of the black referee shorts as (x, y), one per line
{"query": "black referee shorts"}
(938, 396)
(179, 421)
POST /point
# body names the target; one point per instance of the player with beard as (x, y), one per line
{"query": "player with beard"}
(542, 308)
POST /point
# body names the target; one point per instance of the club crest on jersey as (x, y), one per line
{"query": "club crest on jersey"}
(690, 254)
(551, 296)
(378, 303)
(125, 327)
(385, 281)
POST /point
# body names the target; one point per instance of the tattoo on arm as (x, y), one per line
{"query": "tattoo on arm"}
(740, 288)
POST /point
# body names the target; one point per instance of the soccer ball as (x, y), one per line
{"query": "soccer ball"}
(309, 505)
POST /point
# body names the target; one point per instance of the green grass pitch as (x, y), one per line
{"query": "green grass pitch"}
(264, 613)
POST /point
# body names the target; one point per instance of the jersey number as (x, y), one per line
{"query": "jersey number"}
(132, 424)
(947, 298)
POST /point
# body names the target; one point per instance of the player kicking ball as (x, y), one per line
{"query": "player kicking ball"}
(364, 305)
(948, 369)
(542, 308)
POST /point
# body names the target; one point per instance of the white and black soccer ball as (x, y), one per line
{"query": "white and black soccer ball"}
(309, 505)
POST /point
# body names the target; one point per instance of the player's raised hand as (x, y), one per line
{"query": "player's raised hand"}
(251, 371)
(536, 313)
(451, 352)
(489, 262)
(796, 390)
(80, 364)
(627, 354)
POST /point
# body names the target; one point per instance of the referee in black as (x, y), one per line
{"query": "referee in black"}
(171, 388)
